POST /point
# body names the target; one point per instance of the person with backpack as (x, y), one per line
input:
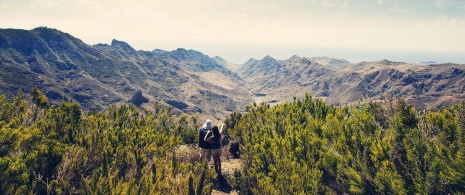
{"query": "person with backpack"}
(214, 138)
(205, 147)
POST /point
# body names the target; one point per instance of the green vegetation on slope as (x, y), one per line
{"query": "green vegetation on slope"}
(299, 147)
(308, 147)
(58, 150)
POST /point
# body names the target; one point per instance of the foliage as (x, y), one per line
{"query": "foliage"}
(299, 147)
(308, 147)
(48, 149)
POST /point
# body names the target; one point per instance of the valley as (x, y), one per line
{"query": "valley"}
(126, 121)
(97, 76)
(424, 86)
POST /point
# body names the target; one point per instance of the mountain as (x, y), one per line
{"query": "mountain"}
(339, 82)
(96, 76)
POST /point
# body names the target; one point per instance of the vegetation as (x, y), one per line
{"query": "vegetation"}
(48, 149)
(308, 147)
(299, 147)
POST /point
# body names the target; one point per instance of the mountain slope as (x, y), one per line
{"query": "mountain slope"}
(339, 82)
(65, 68)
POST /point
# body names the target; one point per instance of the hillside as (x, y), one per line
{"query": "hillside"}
(309, 147)
(96, 76)
(65, 68)
(305, 147)
(339, 82)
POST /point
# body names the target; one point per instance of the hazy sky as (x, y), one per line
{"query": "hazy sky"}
(398, 30)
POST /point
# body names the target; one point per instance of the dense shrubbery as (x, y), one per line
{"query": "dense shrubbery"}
(48, 149)
(299, 147)
(308, 147)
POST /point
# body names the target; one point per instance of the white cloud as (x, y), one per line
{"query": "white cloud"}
(85, 2)
(399, 9)
(462, 7)
(3, 5)
(383, 2)
(40, 5)
(343, 4)
(433, 33)
(439, 3)
(198, 24)
(8, 5)
(328, 4)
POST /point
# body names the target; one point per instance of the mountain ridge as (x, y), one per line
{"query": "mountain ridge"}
(66, 68)
(339, 82)
(96, 76)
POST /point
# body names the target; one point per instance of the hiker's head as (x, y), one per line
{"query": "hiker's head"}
(208, 124)
(216, 131)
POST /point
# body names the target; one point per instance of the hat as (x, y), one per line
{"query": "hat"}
(208, 124)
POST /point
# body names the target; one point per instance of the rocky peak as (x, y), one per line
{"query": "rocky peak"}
(268, 61)
(159, 51)
(183, 54)
(221, 61)
(53, 40)
(332, 63)
(251, 61)
(102, 46)
(294, 58)
(387, 62)
(218, 58)
(44, 29)
(122, 45)
(268, 58)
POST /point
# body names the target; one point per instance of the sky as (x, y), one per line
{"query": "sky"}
(237, 30)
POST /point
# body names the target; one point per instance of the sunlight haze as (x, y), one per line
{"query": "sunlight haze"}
(356, 30)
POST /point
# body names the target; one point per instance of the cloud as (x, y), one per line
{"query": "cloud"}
(3, 6)
(384, 2)
(343, 4)
(328, 4)
(40, 5)
(439, 3)
(448, 41)
(200, 23)
(8, 5)
(381, 2)
(400, 9)
(462, 7)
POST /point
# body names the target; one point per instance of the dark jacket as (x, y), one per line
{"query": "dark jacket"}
(203, 144)
(217, 142)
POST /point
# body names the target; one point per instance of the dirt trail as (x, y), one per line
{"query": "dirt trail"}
(222, 185)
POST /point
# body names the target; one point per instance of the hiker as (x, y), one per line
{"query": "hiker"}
(214, 138)
(205, 147)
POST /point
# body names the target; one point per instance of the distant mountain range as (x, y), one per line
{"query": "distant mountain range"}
(65, 68)
(339, 82)
(96, 76)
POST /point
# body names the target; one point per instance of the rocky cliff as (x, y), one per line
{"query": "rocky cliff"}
(338, 82)
(65, 68)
